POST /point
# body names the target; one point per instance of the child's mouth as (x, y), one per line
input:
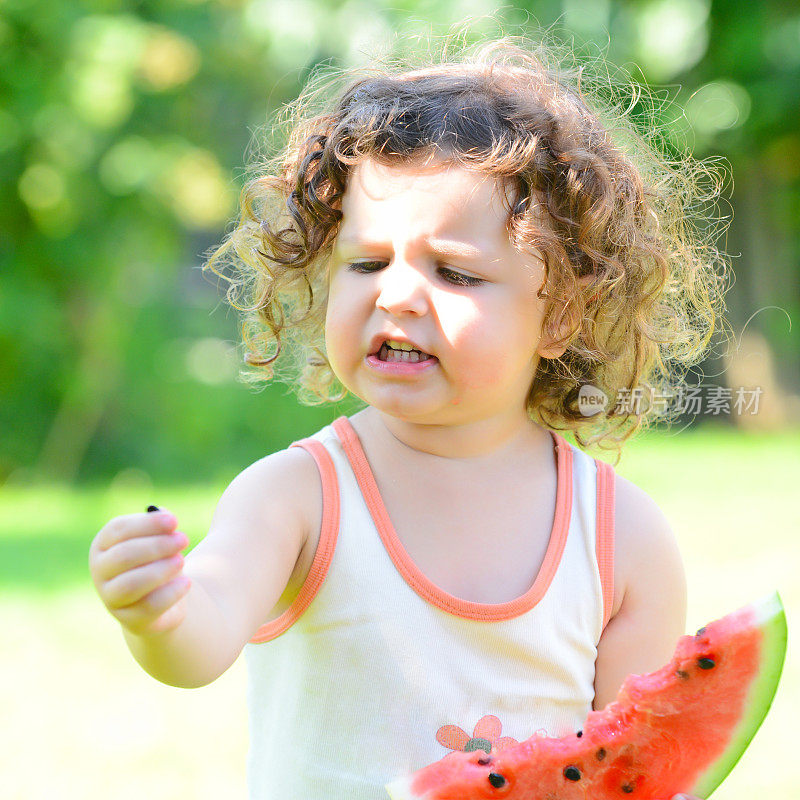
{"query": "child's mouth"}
(387, 353)
(401, 363)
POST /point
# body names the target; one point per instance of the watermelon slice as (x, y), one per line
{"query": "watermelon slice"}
(679, 729)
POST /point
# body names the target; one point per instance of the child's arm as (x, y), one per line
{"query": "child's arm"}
(649, 607)
(237, 572)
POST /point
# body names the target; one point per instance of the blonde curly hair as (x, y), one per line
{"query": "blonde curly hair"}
(632, 273)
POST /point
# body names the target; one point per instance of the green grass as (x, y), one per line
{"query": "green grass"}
(81, 719)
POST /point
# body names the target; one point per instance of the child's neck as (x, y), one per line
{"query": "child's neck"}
(480, 442)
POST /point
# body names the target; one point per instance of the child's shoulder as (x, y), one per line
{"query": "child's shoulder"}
(271, 503)
(646, 555)
(290, 476)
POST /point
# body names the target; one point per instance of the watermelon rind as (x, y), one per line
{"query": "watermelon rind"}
(771, 620)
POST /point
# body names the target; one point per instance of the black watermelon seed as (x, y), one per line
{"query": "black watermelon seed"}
(700, 631)
(682, 674)
(579, 734)
(627, 788)
(705, 663)
(153, 508)
(572, 774)
(487, 759)
(496, 780)
(601, 754)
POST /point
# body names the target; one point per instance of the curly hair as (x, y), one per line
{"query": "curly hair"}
(597, 197)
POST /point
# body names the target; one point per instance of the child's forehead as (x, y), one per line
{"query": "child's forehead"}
(456, 212)
(375, 182)
(446, 197)
(430, 200)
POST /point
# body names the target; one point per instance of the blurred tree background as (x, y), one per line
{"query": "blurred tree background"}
(124, 128)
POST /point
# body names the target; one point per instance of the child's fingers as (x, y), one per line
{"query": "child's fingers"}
(132, 553)
(133, 585)
(131, 526)
(154, 612)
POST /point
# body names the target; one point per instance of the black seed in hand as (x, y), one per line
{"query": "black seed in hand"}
(496, 780)
(572, 774)
(153, 508)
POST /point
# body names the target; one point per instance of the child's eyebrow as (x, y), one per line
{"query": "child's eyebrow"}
(446, 248)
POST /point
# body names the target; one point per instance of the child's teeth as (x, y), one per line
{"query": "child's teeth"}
(403, 355)
(409, 356)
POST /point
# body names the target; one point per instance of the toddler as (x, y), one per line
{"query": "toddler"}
(467, 245)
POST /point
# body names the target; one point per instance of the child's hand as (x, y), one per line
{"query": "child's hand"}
(137, 566)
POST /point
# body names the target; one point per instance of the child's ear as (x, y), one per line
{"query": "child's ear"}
(552, 343)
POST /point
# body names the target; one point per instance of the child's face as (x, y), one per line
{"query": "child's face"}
(409, 225)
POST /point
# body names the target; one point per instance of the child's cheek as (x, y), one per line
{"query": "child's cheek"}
(487, 369)
(481, 364)
(335, 338)
(476, 349)
(336, 348)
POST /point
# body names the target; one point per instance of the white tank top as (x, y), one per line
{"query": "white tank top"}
(374, 672)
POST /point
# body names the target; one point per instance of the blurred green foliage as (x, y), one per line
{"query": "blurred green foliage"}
(123, 133)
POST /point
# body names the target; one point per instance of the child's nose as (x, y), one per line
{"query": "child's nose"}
(403, 289)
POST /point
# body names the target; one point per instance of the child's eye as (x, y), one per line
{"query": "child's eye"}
(460, 279)
(361, 266)
(456, 278)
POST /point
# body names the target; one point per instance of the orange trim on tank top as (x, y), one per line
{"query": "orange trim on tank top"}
(604, 537)
(327, 544)
(416, 579)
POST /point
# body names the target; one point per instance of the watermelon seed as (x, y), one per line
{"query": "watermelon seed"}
(572, 774)
(601, 754)
(681, 674)
(487, 759)
(579, 734)
(700, 631)
(496, 780)
(627, 788)
(705, 663)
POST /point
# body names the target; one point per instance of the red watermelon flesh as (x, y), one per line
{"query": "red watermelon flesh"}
(679, 729)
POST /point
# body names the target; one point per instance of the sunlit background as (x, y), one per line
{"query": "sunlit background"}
(124, 131)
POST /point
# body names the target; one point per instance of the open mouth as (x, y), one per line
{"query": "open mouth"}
(387, 353)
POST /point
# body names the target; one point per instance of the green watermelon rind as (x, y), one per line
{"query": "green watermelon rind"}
(771, 620)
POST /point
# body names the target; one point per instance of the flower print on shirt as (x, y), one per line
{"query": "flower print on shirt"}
(485, 736)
